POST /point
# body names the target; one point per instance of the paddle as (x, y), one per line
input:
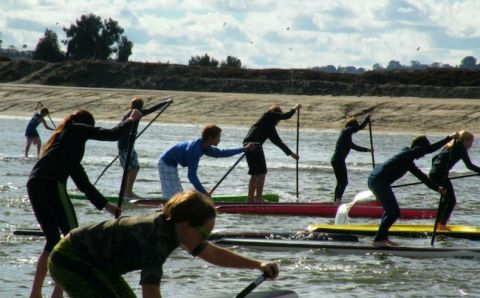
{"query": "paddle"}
(226, 174)
(451, 178)
(53, 123)
(298, 141)
(252, 286)
(138, 135)
(131, 143)
(442, 196)
(371, 141)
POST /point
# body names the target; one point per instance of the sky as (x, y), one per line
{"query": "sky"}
(266, 33)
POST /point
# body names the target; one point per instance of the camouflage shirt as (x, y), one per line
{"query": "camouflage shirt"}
(127, 244)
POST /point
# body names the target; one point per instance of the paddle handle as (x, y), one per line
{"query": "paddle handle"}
(298, 141)
(371, 141)
(252, 286)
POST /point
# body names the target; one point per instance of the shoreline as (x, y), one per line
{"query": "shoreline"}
(389, 114)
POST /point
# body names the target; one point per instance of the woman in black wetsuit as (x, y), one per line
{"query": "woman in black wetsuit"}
(46, 185)
(441, 165)
(342, 148)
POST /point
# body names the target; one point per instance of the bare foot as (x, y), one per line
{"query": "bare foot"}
(384, 243)
(442, 227)
(337, 202)
(259, 200)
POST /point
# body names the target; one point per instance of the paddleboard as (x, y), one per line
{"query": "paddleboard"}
(270, 197)
(406, 230)
(330, 247)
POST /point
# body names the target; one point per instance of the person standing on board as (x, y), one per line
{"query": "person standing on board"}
(260, 131)
(46, 186)
(441, 165)
(342, 148)
(383, 175)
(84, 266)
(134, 166)
(187, 154)
(31, 132)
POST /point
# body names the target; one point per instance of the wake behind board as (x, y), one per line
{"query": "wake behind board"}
(264, 294)
(402, 251)
(270, 197)
(406, 230)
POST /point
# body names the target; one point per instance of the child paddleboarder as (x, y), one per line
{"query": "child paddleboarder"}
(84, 266)
(31, 132)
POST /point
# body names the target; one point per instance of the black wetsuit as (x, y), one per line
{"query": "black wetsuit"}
(262, 130)
(342, 148)
(47, 182)
(441, 165)
(382, 177)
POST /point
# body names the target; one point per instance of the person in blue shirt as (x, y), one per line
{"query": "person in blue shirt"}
(187, 154)
(441, 165)
(342, 148)
(384, 175)
(31, 132)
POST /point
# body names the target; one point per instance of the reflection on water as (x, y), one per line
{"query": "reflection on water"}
(310, 273)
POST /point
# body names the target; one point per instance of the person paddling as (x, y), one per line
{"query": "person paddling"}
(134, 166)
(84, 266)
(384, 175)
(441, 165)
(46, 186)
(188, 154)
(342, 148)
(31, 132)
(260, 131)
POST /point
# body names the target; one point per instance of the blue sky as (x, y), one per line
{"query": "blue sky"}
(267, 33)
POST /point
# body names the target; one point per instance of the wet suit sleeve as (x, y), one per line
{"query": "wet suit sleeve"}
(81, 180)
(435, 146)
(468, 163)
(283, 116)
(112, 134)
(422, 177)
(152, 109)
(274, 138)
(359, 148)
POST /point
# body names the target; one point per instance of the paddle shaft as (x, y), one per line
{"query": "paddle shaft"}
(131, 143)
(252, 286)
(451, 178)
(298, 141)
(371, 142)
(442, 196)
(138, 135)
(226, 174)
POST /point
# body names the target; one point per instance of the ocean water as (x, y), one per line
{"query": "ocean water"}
(309, 273)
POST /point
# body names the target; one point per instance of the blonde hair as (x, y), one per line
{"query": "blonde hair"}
(190, 206)
(275, 108)
(464, 136)
(136, 103)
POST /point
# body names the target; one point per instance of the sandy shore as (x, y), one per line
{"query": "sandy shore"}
(401, 114)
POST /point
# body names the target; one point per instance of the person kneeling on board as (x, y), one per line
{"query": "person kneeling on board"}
(84, 266)
(383, 176)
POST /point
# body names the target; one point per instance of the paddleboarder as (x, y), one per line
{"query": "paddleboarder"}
(84, 266)
(31, 132)
(384, 175)
(188, 154)
(451, 153)
(46, 186)
(342, 149)
(134, 166)
(260, 131)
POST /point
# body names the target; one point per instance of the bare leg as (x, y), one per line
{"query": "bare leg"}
(251, 189)
(27, 147)
(131, 177)
(40, 274)
(260, 181)
(39, 146)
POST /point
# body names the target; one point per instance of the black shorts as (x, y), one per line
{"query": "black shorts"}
(256, 161)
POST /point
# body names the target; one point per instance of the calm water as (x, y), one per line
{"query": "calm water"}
(310, 274)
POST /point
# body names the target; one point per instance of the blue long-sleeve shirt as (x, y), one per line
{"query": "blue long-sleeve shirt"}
(403, 162)
(187, 154)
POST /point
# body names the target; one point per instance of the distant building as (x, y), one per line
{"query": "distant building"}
(15, 54)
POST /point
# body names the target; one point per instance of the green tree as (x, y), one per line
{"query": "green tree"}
(90, 38)
(232, 62)
(48, 48)
(204, 60)
(468, 62)
(124, 49)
